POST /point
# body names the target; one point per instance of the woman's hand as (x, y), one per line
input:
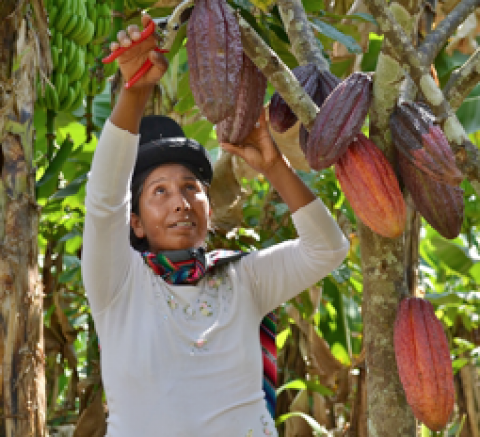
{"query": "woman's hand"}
(261, 153)
(131, 102)
(132, 60)
(258, 150)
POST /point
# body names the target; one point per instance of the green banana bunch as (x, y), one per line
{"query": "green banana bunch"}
(71, 30)
(101, 16)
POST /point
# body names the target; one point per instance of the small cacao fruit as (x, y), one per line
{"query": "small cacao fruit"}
(253, 84)
(440, 204)
(339, 120)
(313, 82)
(423, 361)
(214, 50)
(369, 183)
(424, 144)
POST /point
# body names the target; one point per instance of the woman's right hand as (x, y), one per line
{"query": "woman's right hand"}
(132, 60)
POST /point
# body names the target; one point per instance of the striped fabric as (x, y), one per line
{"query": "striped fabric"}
(188, 266)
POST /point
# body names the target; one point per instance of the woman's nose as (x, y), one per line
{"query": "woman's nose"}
(181, 203)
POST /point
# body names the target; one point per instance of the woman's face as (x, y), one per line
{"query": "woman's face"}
(173, 208)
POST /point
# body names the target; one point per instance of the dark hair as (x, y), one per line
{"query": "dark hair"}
(141, 244)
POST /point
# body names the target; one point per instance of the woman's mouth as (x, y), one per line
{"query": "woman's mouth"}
(183, 224)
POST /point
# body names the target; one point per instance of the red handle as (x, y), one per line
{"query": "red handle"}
(144, 35)
(143, 69)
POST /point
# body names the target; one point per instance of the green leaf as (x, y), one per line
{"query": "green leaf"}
(452, 255)
(313, 5)
(468, 112)
(459, 363)
(281, 338)
(300, 384)
(69, 275)
(57, 162)
(316, 427)
(333, 33)
(369, 59)
(71, 188)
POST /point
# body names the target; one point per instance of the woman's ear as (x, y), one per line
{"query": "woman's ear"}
(136, 225)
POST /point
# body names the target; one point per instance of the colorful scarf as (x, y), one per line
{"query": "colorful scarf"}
(188, 266)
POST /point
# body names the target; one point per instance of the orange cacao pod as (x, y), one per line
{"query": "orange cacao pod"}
(440, 204)
(369, 183)
(339, 120)
(214, 50)
(423, 143)
(253, 84)
(423, 361)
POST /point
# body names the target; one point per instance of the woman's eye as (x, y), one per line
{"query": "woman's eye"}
(159, 190)
(192, 187)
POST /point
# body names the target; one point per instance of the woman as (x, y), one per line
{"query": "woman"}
(180, 346)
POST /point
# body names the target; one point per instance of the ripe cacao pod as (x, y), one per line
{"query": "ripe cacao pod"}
(313, 82)
(328, 82)
(253, 84)
(440, 204)
(214, 50)
(423, 361)
(339, 120)
(369, 183)
(424, 144)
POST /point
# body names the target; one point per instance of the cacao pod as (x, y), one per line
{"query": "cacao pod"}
(423, 361)
(424, 144)
(369, 183)
(440, 204)
(253, 84)
(214, 50)
(339, 120)
(313, 82)
(328, 82)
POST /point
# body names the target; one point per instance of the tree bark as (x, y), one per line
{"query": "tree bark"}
(383, 266)
(22, 383)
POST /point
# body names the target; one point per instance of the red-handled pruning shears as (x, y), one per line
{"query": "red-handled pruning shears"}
(149, 30)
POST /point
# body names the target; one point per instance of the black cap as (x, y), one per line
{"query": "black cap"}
(162, 141)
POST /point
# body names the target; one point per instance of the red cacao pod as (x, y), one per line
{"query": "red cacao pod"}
(253, 84)
(214, 50)
(369, 183)
(339, 120)
(440, 204)
(423, 143)
(314, 82)
(423, 361)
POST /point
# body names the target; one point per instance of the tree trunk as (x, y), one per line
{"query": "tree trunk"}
(383, 280)
(22, 386)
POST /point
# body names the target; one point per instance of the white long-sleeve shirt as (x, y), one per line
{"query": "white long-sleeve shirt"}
(183, 360)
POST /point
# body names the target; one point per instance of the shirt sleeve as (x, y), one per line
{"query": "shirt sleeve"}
(280, 272)
(107, 254)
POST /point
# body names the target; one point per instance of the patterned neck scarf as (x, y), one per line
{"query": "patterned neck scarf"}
(189, 266)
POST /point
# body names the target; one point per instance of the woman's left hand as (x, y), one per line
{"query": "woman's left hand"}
(258, 150)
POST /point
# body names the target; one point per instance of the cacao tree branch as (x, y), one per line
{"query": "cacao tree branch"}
(279, 75)
(302, 40)
(462, 81)
(466, 153)
(174, 22)
(436, 39)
